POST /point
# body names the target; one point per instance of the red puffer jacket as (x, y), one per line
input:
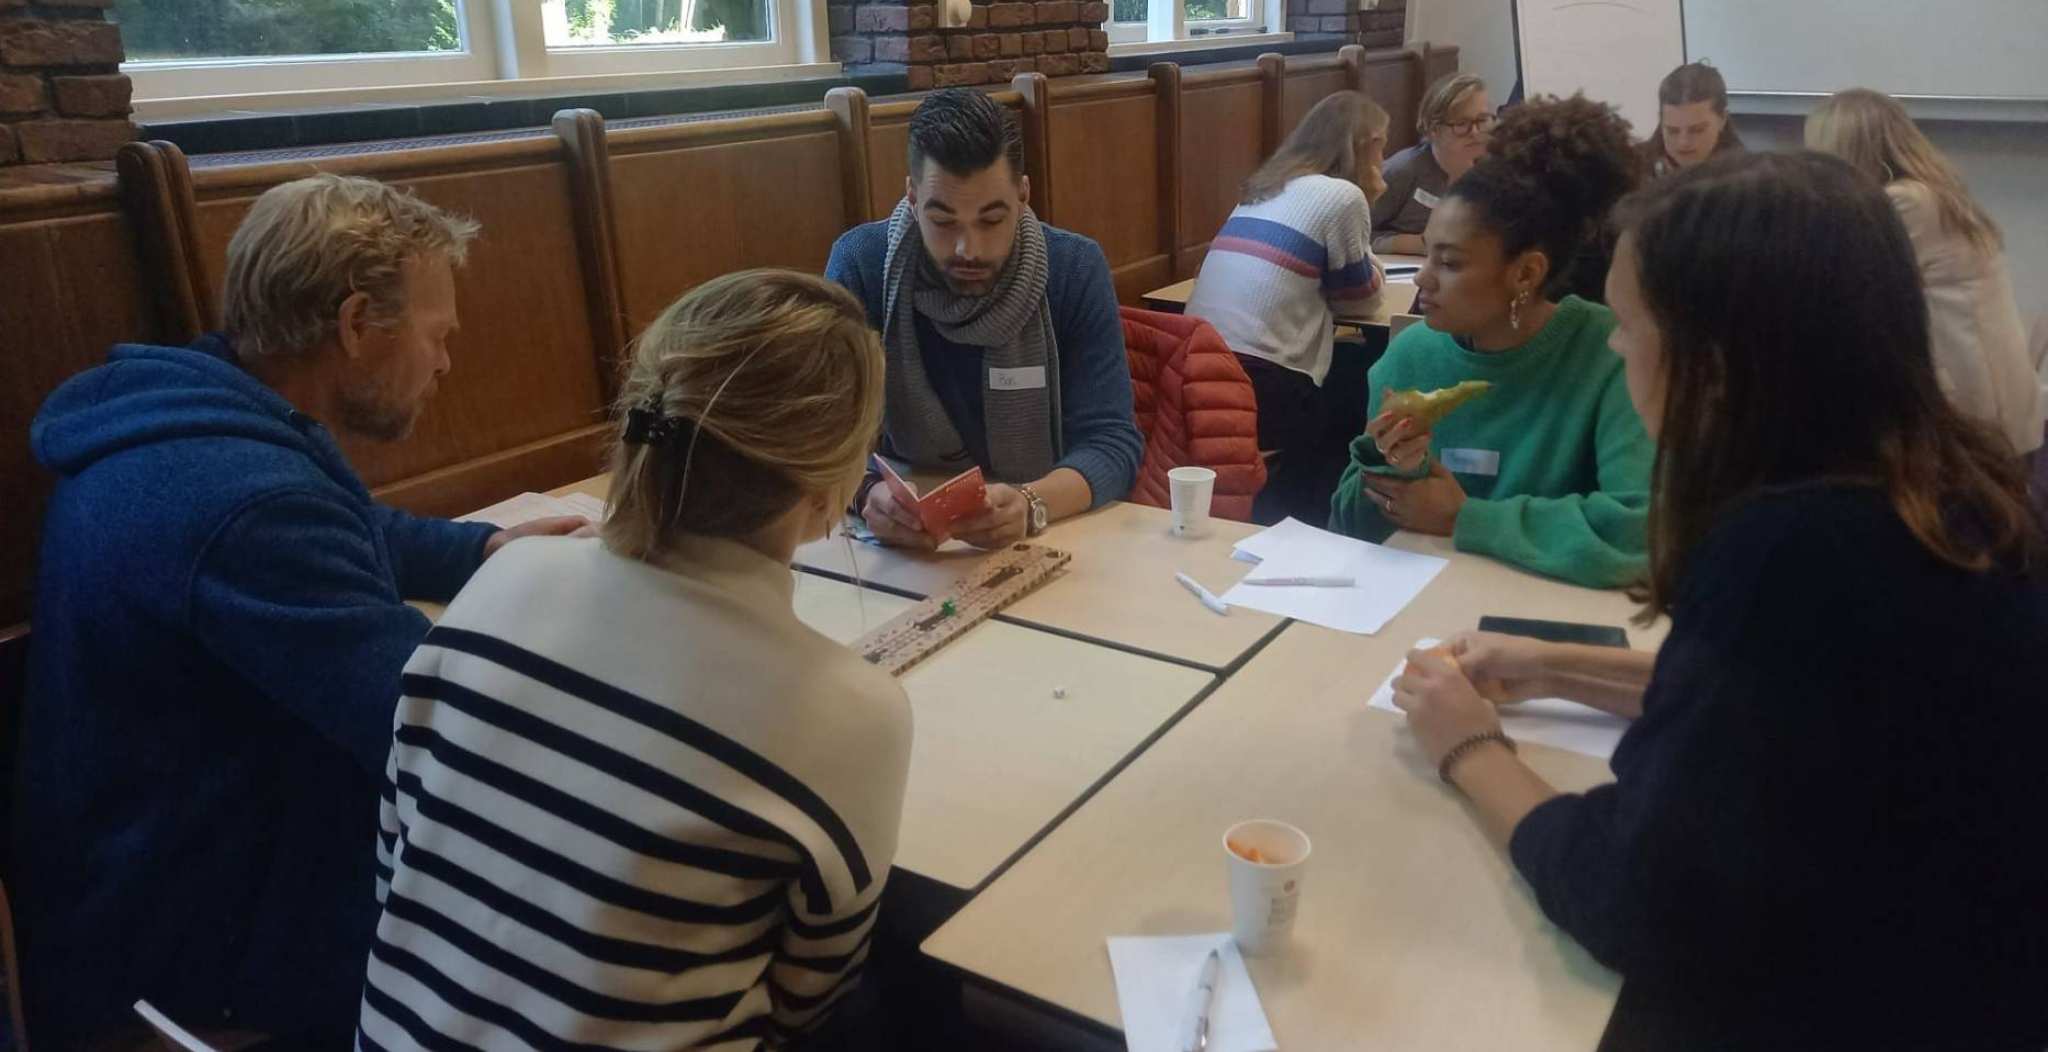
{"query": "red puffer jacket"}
(1196, 408)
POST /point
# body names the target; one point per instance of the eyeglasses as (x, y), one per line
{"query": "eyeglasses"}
(1462, 128)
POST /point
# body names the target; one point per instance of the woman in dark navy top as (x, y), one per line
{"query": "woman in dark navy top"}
(1827, 826)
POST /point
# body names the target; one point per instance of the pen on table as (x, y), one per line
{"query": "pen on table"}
(1200, 999)
(1208, 598)
(1303, 582)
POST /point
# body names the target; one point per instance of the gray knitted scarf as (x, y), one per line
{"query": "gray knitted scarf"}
(1012, 323)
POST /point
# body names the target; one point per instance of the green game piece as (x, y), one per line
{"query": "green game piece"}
(948, 609)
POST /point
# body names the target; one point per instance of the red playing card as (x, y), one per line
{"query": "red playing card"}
(958, 497)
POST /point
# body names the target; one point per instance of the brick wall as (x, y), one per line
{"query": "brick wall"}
(1341, 22)
(62, 95)
(1386, 26)
(1058, 38)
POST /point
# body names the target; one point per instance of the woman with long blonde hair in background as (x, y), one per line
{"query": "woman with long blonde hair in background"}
(633, 800)
(1298, 242)
(1980, 346)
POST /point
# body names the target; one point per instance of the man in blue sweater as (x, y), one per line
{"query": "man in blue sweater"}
(220, 628)
(1004, 346)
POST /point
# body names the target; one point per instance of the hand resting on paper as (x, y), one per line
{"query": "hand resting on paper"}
(1443, 706)
(1509, 669)
(555, 526)
(1504, 669)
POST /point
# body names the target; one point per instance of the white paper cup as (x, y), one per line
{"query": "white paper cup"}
(1191, 490)
(1265, 896)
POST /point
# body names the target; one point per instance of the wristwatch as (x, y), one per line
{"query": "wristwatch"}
(1035, 520)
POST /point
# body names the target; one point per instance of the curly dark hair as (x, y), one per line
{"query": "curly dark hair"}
(1552, 173)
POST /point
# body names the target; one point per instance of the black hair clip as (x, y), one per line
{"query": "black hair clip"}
(646, 425)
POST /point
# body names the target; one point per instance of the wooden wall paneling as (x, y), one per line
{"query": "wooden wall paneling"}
(1166, 82)
(1221, 145)
(1351, 59)
(849, 108)
(1394, 80)
(156, 189)
(526, 369)
(597, 240)
(888, 155)
(1303, 89)
(1037, 115)
(1272, 100)
(698, 200)
(1109, 179)
(73, 287)
(1439, 62)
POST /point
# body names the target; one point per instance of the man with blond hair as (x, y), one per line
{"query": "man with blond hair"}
(220, 627)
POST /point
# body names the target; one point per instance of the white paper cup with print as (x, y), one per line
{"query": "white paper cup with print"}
(1191, 490)
(1268, 860)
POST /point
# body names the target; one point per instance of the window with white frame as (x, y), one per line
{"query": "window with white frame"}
(1164, 21)
(200, 48)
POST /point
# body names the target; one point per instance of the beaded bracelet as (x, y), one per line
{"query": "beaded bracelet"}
(1458, 751)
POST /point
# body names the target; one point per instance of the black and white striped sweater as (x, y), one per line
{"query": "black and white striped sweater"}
(630, 807)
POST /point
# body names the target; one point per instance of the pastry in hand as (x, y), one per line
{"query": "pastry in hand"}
(1430, 407)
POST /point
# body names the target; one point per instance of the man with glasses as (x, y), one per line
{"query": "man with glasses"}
(1455, 119)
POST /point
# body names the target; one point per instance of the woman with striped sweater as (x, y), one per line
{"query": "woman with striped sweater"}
(633, 802)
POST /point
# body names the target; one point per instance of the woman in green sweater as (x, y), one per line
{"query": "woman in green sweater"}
(1550, 468)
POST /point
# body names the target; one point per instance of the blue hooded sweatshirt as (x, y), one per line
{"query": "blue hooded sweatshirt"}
(219, 632)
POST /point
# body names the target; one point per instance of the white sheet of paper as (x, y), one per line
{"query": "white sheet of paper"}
(1549, 721)
(1275, 539)
(1387, 579)
(586, 505)
(524, 508)
(1156, 973)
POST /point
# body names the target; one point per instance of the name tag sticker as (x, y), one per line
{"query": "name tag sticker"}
(1029, 378)
(1471, 461)
(1427, 199)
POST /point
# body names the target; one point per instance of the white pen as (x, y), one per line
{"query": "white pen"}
(1207, 597)
(1200, 1000)
(1303, 582)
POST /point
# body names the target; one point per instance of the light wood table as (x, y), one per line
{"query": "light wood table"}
(1119, 590)
(1014, 727)
(996, 756)
(1414, 931)
(1396, 298)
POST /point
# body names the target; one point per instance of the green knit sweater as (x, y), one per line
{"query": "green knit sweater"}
(1554, 461)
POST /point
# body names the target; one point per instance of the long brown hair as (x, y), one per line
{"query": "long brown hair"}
(1826, 331)
(774, 383)
(1872, 132)
(1684, 86)
(1324, 143)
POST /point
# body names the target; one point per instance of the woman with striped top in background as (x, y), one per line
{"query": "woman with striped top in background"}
(1297, 243)
(633, 802)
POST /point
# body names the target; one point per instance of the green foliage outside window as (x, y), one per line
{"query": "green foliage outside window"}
(175, 29)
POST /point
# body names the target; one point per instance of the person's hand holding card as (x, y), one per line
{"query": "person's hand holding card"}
(1004, 521)
(927, 521)
(893, 522)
